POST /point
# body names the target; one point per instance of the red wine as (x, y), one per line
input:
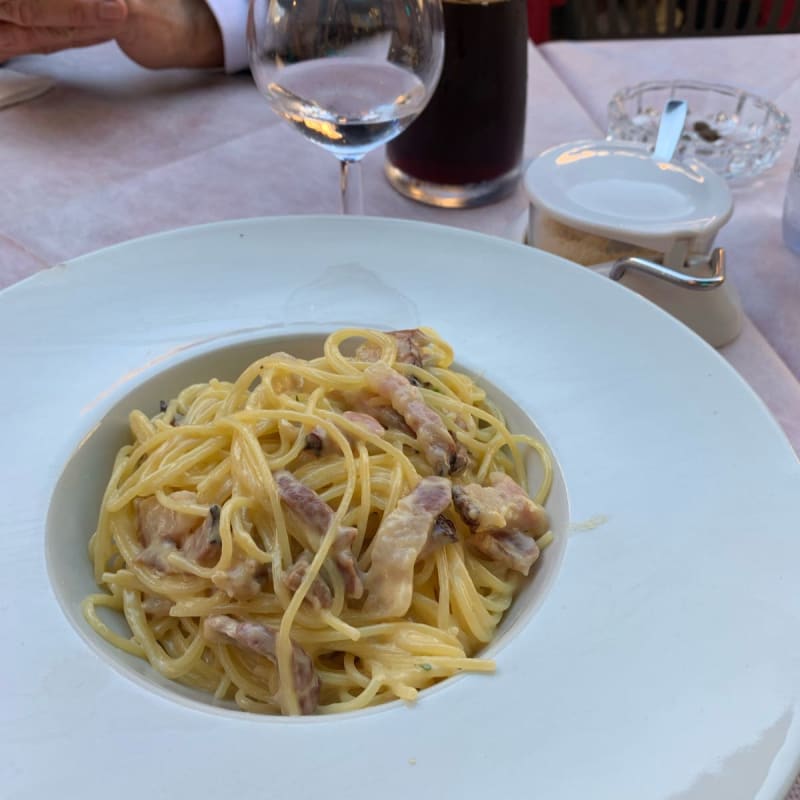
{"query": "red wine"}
(472, 129)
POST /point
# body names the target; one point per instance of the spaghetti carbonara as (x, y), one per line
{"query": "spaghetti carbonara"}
(321, 535)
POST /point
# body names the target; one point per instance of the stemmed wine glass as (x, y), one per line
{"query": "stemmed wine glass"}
(349, 74)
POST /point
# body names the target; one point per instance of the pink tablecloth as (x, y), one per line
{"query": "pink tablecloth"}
(115, 152)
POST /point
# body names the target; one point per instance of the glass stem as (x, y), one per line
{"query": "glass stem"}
(350, 185)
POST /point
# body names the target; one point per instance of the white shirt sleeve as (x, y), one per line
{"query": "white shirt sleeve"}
(231, 17)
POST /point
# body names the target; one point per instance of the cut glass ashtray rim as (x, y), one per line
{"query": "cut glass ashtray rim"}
(733, 131)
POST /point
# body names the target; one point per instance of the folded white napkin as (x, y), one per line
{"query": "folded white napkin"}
(17, 87)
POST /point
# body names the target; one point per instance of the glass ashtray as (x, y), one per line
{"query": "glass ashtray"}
(733, 132)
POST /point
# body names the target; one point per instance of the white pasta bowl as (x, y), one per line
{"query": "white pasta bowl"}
(76, 500)
(661, 658)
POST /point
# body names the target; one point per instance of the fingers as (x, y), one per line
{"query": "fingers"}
(44, 26)
(16, 40)
(62, 13)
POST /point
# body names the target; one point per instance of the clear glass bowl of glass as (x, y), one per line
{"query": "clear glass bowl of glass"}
(734, 132)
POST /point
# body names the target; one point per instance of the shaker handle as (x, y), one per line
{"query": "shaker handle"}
(646, 267)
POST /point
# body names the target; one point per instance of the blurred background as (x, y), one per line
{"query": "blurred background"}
(620, 19)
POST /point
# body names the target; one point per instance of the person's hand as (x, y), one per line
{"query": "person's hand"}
(180, 33)
(45, 26)
(154, 33)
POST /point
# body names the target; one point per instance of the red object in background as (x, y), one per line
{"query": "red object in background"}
(764, 13)
(539, 15)
(539, 18)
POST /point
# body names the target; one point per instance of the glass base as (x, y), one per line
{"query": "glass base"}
(450, 195)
